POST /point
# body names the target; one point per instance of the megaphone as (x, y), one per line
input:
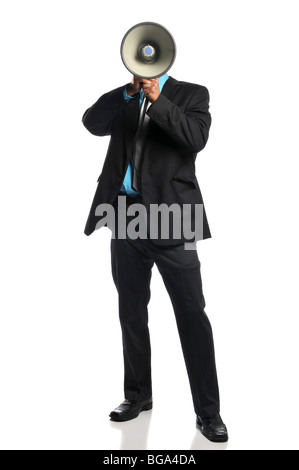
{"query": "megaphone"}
(148, 50)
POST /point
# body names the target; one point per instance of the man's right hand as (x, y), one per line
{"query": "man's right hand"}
(135, 86)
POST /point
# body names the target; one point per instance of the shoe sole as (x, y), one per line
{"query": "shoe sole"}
(135, 415)
(217, 440)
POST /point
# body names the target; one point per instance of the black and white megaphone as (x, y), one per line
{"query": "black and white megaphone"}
(148, 50)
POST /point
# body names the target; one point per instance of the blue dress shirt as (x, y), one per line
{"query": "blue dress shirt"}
(127, 183)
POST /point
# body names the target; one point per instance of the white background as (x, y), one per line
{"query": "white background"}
(61, 356)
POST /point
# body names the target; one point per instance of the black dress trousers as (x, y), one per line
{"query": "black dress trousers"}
(132, 262)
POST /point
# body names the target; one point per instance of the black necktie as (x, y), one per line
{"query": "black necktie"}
(139, 144)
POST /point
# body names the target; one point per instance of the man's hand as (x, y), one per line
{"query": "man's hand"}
(135, 86)
(150, 88)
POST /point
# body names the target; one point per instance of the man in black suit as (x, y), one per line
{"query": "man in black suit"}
(164, 123)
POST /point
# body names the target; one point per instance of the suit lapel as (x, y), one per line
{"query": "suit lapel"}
(131, 115)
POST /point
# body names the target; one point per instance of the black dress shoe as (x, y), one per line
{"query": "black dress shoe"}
(130, 409)
(213, 428)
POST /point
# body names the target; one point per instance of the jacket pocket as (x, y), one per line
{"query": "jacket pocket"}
(190, 180)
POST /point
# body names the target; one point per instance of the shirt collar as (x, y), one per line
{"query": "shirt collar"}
(162, 81)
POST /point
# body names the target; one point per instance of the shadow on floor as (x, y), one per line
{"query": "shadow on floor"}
(134, 435)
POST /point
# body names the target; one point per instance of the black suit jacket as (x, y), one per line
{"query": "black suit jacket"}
(178, 130)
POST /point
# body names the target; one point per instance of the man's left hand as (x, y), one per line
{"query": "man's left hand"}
(151, 89)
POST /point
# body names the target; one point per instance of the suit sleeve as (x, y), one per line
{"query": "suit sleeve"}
(99, 118)
(188, 128)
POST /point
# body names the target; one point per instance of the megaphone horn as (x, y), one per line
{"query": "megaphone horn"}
(148, 50)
